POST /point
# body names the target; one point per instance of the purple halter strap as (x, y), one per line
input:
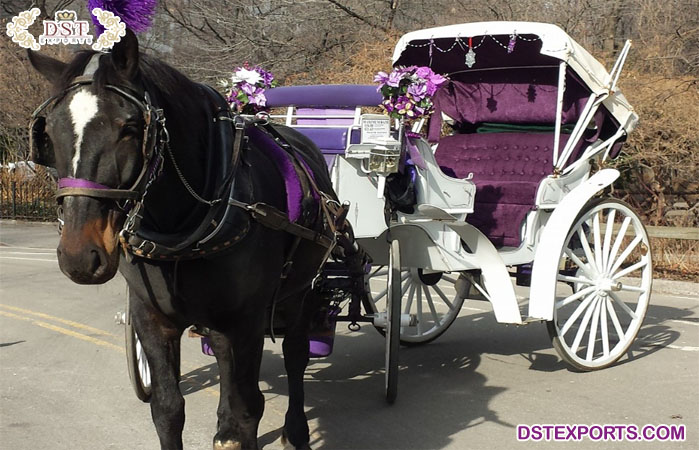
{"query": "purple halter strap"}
(80, 187)
(79, 183)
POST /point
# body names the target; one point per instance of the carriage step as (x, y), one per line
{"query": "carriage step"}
(528, 320)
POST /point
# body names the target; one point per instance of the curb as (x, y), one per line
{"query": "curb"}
(672, 287)
(660, 286)
(27, 223)
(687, 288)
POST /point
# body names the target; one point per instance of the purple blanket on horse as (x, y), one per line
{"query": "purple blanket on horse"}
(289, 170)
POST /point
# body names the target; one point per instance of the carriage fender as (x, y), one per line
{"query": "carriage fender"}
(494, 274)
(548, 251)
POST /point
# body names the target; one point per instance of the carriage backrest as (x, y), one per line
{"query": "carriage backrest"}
(509, 96)
(505, 136)
(327, 114)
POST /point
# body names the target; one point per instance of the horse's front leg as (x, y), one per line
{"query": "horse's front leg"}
(161, 342)
(296, 350)
(239, 354)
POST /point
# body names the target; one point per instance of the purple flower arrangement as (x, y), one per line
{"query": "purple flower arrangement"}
(247, 93)
(408, 91)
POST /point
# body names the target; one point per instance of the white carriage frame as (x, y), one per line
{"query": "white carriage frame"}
(431, 238)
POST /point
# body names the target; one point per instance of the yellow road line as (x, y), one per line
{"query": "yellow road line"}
(12, 247)
(83, 337)
(71, 323)
(208, 390)
(28, 259)
(65, 331)
(28, 253)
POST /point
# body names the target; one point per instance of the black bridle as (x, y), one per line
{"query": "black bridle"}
(155, 136)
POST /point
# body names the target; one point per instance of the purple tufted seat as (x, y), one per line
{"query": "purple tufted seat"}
(507, 166)
(507, 169)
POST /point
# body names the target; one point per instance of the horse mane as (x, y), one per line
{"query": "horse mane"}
(168, 82)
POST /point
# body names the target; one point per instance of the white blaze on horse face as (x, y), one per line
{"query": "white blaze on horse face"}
(83, 108)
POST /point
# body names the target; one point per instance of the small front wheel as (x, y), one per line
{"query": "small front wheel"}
(426, 298)
(136, 360)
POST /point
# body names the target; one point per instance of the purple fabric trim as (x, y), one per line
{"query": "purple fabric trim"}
(206, 346)
(325, 112)
(320, 346)
(330, 95)
(413, 151)
(294, 193)
(79, 183)
(320, 341)
(329, 159)
(327, 139)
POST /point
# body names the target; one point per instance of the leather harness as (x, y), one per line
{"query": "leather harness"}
(202, 242)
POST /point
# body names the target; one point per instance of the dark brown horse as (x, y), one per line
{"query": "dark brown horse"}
(105, 133)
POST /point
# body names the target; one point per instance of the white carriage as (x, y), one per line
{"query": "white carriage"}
(513, 189)
(510, 184)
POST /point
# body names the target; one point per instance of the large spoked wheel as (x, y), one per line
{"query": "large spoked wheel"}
(393, 321)
(595, 326)
(428, 298)
(136, 361)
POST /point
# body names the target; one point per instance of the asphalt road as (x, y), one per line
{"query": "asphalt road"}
(63, 381)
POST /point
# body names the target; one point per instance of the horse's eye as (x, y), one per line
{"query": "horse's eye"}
(129, 130)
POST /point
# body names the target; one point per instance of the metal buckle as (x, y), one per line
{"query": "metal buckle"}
(262, 117)
(142, 246)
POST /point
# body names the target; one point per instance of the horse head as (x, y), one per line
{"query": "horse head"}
(96, 131)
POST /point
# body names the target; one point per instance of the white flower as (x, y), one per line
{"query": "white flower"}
(247, 76)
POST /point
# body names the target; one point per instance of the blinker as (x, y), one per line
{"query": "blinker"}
(40, 146)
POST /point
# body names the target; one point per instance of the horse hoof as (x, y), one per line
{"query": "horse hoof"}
(286, 445)
(227, 445)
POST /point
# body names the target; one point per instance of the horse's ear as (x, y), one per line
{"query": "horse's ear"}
(50, 68)
(125, 55)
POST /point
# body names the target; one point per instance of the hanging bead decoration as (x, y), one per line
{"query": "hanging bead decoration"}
(470, 55)
(431, 48)
(511, 44)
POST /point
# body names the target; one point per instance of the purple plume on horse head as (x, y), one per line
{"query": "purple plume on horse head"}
(136, 14)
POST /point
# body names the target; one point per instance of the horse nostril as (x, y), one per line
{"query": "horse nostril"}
(95, 261)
